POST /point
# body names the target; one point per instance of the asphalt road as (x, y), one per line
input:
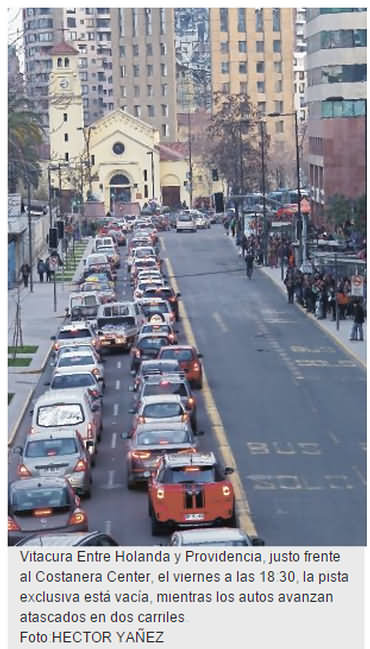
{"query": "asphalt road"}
(291, 401)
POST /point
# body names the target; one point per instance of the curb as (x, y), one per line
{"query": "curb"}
(337, 340)
(20, 417)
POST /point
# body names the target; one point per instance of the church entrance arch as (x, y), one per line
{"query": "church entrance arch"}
(119, 190)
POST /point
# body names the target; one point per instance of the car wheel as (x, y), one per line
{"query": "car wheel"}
(194, 424)
(231, 522)
(150, 510)
(177, 230)
(87, 493)
(130, 481)
(157, 527)
(198, 384)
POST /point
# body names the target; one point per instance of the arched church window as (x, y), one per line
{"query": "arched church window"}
(119, 179)
(59, 62)
(66, 62)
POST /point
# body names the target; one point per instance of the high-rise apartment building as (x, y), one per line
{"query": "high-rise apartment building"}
(89, 31)
(299, 64)
(252, 53)
(336, 97)
(144, 69)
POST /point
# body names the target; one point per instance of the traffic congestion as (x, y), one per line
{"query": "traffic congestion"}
(123, 319)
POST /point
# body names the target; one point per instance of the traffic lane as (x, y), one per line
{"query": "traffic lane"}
(261, 395)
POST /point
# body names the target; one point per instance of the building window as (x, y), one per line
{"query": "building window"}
(123, 91)
(260, 46)
(149, 70)
(225, 67)
(149, 91)
(164, 89)
(164, 109)
(137, 111)
(135, 50)
(224, 47)
(163, 69)
(150, 110)
(242, 46)
(146, 194)
(136, 91)
(162, 21)
(243, 87)
(118, 148)
(224, 20)
(122, 50)
(260, 66)
(66, 156)
(279, 106)
(134, 22)
(301, 75)
(260, 86)
(92, 160)
(136, 70)
(149, 49)
(71, 22)
(165, 130)
(277, 67)
(65, 117)
(123, 70)
(345, 108)
(225, 88)
(91, 36)
(259, 20)
(83, 76)
(148, 22)
(279, 126)
(242, 68)
(279, 85)
(276, 46)
(163, 49)
(145, 172)
(261, 108)
(66, 137)
(276, 20)
(241, 20)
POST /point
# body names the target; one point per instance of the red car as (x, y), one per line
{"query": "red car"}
(188, 359)
(187, 490)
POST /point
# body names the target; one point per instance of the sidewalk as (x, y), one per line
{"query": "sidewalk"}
(356, 349)
(39, 321)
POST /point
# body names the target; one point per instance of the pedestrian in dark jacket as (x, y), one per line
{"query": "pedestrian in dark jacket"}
(249, 259)
(41, 269)
(25, 270)
(47, 270)
(358, 321)
(289, 283)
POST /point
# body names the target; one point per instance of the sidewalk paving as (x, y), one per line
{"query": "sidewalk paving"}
(39, 321)
(357, 349)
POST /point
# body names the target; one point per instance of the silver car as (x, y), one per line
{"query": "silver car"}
(77, 378)
(79, 361)
(230, 536)
(56, 453)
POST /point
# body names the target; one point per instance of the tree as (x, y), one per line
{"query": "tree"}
(347, 214)
(234, 142)
(24, 139)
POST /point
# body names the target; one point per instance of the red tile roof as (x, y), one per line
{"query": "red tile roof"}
(173, 151)
(63, 48)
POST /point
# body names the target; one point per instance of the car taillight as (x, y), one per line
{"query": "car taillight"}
(184, 417)
(80, 466)
(172, 299)
(226, 490)
(96, 371)
(191, 401)
(172, 317)
(196, 366)
(90, 431)
(137, 353)
(77, 517)
(42, 511)
(56, 346)
(12, 525)
(23, 472)
(160, 493)
(141, 419)
(94, 342)
(171, 337)
(141, 455)
(32, 430)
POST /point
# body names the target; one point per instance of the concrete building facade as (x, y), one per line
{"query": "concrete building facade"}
(144, 68)
(336, 97)
(300, 64)
(252, 53)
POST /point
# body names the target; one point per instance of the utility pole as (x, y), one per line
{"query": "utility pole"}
(50, 201)
(29, 234)
(262, 128)
(302, 228)
(60, 189)
(152, 170)
(190, 161)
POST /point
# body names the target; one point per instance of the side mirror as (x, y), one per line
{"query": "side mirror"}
(100, 333)
(31, 412)
(198, 433)
(178, 294)
(125, 435)
(47, 383)
(176, 331)
(53, 337)
(131, 388)
(131, 411)
(95, 407)
(228, 470)
(18, 450)
(256, 540)
(200, 355)
(132, 372)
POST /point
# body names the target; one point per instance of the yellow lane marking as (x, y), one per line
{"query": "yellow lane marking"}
(220, 322)
(242, 506)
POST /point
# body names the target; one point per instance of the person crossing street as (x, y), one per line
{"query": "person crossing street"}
(249, 259)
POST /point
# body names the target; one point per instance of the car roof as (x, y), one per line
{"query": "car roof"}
(212, 534)
(158, 364)
(69, 539)
(191, 459)
(80, 353)
(72, 370)
(162, 425)
(161, 398)
(67, 395)
(79, 324)
(54, 434)
(178, 347)
(169, 377)
(33, 483)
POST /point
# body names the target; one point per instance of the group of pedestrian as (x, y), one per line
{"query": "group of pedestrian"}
(43, 268)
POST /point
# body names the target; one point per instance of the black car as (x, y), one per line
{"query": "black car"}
(43, 505)
(147, 347)
(97, 539)
(166, 293)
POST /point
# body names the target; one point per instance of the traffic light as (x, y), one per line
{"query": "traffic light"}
(53, 238)
(214, 175)
(219, 201)
(60, 228)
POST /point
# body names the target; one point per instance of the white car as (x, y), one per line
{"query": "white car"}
(154, 305)
(185, 223)
(214, 536)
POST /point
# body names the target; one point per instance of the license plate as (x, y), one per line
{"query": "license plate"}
(194, 517)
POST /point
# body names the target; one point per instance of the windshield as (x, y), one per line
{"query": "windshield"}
(64, 381)
(178, 354)
(161, 328)
(162, 410)
(51, 447)
(143, 252)
(83, 312)
(185, 217)
(123, 321)
(70, 361)
(27, 499)
(165, 387)
(150, 309)
(190, 473)
(164, 437)
(156, 341)
(74, 333)
(60, 414)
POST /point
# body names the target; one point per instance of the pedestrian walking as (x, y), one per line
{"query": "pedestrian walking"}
(357, 332)
(249, 259)
(25, 271)
(226, 225)
(47, 270)
(41, 269)
(289, 283)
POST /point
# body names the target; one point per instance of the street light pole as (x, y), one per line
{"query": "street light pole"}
(152, 170)
(29, 234)
(262, 128)
(302, 227)
(60, 189)
(49, 197)
(190, 160)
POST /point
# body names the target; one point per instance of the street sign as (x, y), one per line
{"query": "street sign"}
(357, 285)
